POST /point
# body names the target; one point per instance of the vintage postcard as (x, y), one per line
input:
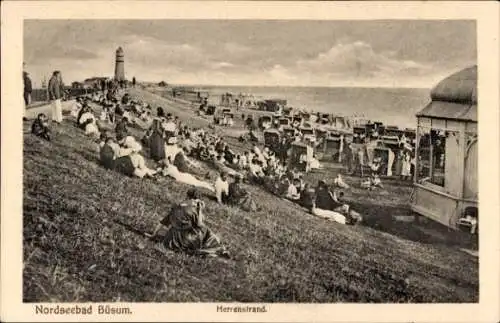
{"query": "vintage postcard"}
(250, 161)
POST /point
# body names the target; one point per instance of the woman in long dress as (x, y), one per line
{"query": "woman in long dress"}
(399, 163)
(187, 231)
(406, 166)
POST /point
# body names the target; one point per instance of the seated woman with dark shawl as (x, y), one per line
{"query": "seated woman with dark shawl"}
(121, 128)
(187, 231)
(239, 196)
(40, 127)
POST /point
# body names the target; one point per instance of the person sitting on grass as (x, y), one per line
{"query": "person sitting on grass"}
(333, 201)
(372, 182)
(40, 127)
(239, 196)
(160, 113)
(255, 172)
(129, 142)
(121, 128)
(307, 196)
(170, 170)
(187, 231)
(87, 122)
(125, 160)
(77, 106)
(292, 193)
(221, 188)
(339, 182)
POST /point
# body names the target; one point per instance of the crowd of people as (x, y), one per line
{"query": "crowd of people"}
(179, 152)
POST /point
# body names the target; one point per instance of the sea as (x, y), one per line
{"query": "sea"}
(392, 106)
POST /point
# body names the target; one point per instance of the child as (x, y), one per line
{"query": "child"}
(40, 127)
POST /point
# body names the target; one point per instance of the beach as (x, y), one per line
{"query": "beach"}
(392, 106)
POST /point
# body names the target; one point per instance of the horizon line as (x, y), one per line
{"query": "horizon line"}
(297, 86)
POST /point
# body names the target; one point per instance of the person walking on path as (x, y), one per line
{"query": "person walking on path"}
(27, 92)
(56, 92)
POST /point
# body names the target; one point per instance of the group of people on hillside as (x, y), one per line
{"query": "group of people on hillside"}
(122, 152)
(179, 150)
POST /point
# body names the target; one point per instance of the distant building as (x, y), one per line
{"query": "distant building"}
(93, 82)
(120, 65)
(77, 85)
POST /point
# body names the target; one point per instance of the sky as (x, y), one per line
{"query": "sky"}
(379, 53)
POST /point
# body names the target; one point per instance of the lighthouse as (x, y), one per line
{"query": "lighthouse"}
(120, 65)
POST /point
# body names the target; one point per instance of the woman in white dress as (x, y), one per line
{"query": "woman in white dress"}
(327, 214)
(172, 171)
(406, 169)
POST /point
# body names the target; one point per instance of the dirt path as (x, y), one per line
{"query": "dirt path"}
(31, 113)
(184, 111)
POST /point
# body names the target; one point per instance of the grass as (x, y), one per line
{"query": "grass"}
(82, 241)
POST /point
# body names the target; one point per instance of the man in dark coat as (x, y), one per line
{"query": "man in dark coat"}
(56, 92)
(27, 92)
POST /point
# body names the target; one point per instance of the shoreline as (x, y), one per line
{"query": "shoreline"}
(402, 121)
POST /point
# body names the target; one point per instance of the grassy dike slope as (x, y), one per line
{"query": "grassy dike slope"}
(80, 242)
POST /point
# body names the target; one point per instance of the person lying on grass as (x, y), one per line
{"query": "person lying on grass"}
(327, 214)
(219, 164)
(40, 127)
(333, 201)
(186, 165)
(187, 231)
(170, 170)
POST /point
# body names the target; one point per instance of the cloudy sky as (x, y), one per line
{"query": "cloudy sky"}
(253, 52)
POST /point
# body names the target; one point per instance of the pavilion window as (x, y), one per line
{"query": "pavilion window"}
(432, 155)
(438, 156)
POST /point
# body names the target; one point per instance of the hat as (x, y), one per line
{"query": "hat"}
(172, 141)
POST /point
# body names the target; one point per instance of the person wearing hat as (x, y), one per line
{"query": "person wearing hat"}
(187, 231)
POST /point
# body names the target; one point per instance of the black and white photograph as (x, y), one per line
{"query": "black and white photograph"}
(249, 162)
